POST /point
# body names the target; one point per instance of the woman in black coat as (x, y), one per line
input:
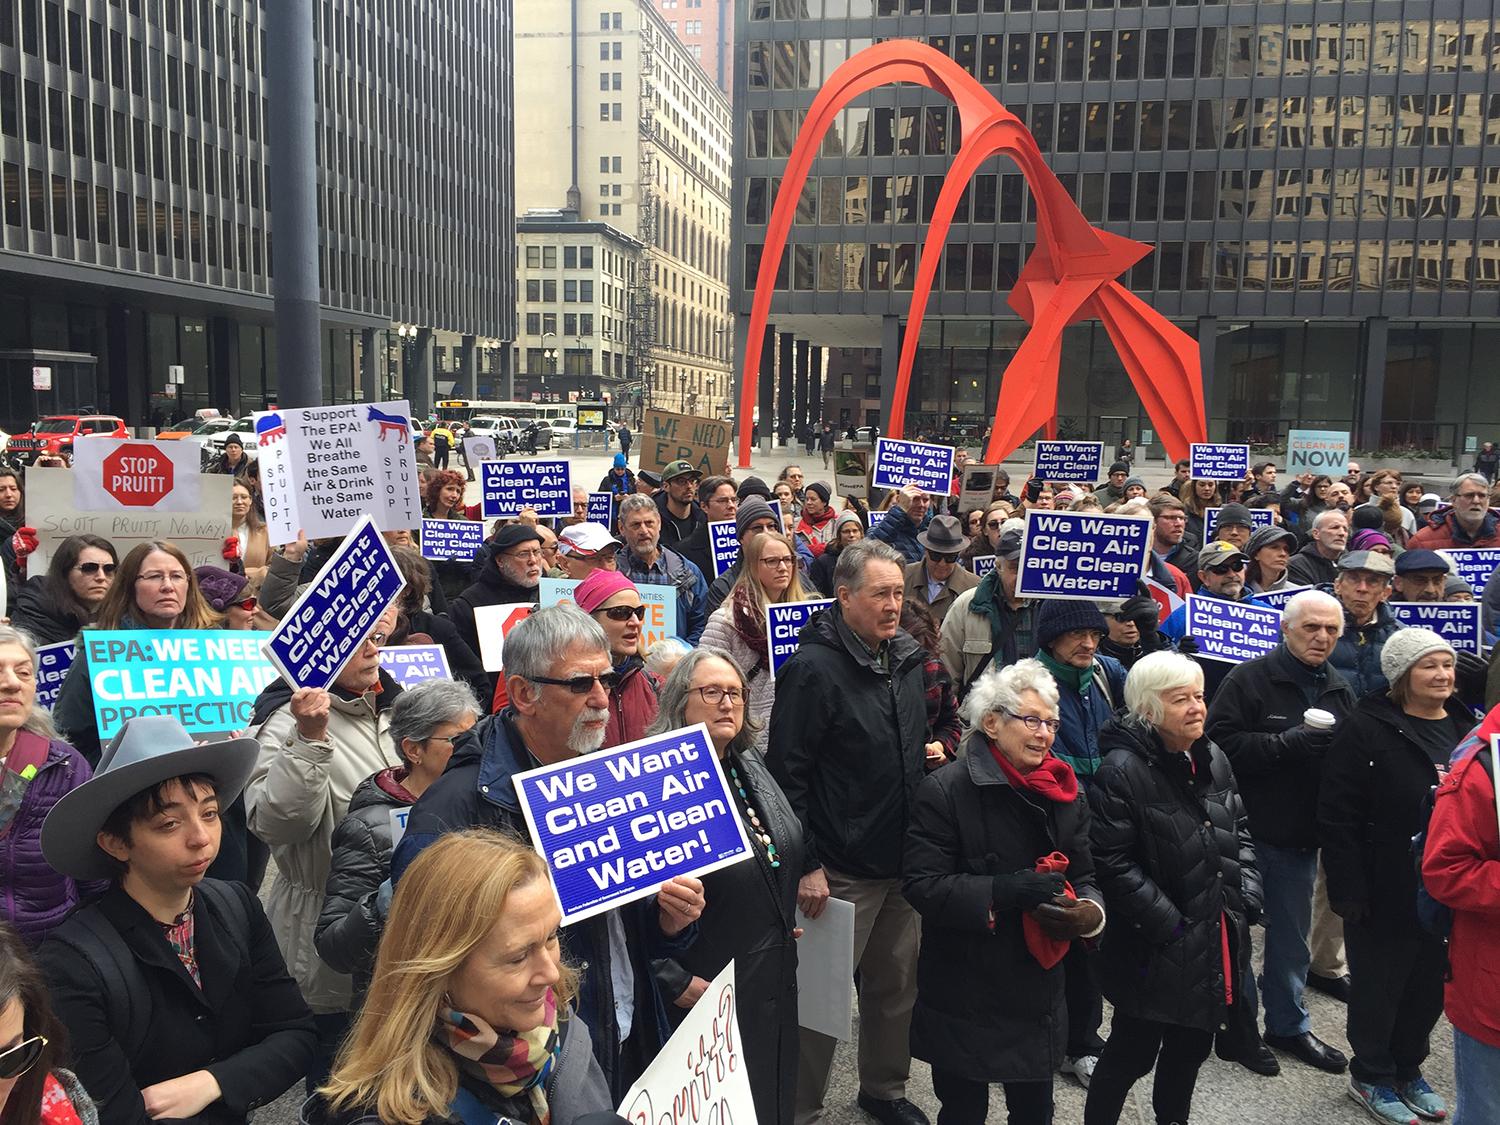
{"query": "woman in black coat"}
(1173, 857)
(53, 607)
(990, 999)
(751, 911)
(1376, 777)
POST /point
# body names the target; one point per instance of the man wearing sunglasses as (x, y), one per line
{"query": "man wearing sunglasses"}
(937, 580)
(1221, 574)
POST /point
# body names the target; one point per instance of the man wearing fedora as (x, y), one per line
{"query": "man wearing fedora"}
(176, 999)
(936, 579)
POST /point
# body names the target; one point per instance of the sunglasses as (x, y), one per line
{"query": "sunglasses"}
(581, 685)
(248, 605)
(943, 556)
(625, 612)
(22, 1057)
(95, 568)
(1227, 568)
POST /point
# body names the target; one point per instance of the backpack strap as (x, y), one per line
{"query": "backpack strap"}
(228, 901)
(127, 996)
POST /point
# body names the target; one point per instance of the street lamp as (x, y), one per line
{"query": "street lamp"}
(549, 354)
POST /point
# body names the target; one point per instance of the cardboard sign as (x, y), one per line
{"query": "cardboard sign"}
(56, 509)
(978, 487)
(410, 665)
(1073, 462)
(1259, 518)
(324, 468)
(338, 610)
(982, 565)
(1083, 555)
(52, 664)
(1232, 632)
(1277, 599)
(784, 623)
(452, 539)
(702, 442)
(1458, 623)
(1325, 452)
(899, 463)
(1474, 564)
(477, 449)
(601, 509)
(206, 679)
(615, 825)
(723, 544)
(851, 473)
(157, 476)
(700, 1077)
(494, 623)
(543, 484)
(660, 603)
(1217, 461)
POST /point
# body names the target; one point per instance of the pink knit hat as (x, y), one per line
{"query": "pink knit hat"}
(598, 588)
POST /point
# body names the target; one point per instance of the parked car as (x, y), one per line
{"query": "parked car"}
(505, 431)
(189, 427)
(54, 435)
(217, 429)
(564, 431)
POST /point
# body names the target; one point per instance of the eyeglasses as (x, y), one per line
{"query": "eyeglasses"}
(248, 605)
(532, 555)
(580, 685)
(1035, 724)
(95, 568)
(779, 562)
(1226, 568)
(943, 556)
(625, 612)
(376, 639)
(713, 695)
(157, 578)
(1471, 496)
(22, 1057)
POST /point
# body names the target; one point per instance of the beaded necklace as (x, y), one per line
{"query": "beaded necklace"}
(757, 829)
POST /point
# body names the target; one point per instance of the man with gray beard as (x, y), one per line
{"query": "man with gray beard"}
(558, 673)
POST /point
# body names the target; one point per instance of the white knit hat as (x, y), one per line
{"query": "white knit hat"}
(1406, 646)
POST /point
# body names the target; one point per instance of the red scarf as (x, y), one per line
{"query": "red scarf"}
(1054, 779)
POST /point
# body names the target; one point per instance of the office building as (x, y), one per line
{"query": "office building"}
(705, 27)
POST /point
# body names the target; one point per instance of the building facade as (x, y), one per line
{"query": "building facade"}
(136, 232)
(639, 141)
(1319, 181)
(706, 29)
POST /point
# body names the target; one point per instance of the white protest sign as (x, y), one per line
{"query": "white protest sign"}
(157, 476)
(660, 603)
(399, 817)
(322, 468)
(477, 449)
(825, 970)
(978, 487)
(493, 623)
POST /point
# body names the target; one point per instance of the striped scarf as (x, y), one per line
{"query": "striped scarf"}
(513, 1063)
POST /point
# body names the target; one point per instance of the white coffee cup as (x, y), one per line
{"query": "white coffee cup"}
(1319, 719)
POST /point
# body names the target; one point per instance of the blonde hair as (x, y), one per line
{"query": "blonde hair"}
(750, 575)
(446, 904)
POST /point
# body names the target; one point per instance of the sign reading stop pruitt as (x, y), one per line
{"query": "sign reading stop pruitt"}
(160, 475)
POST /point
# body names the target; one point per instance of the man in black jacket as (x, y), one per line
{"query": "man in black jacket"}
(1257, 719)
(848, 732)
(512, 576)
(720, 502)
(1315, 563)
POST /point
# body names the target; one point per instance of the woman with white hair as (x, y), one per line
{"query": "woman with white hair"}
(998, 866)
(1172, 851)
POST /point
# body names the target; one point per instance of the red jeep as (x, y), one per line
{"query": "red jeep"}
(54, 435)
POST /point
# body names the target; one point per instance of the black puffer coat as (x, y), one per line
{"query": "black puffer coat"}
(39, 616)
(986, 1009)
(1172, 854)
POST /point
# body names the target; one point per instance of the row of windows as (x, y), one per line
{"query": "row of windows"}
(574, 324)
(573, 258)
(230, 37)
(575, 291)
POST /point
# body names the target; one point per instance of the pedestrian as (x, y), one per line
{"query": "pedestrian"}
(1113, 490)
(999, 867)
(623, 433)
(1487, 461)
(936, 580)
(53, 607)
(1221, 576)
(1362, 587)
(1170, 541)
(645, 561)
(232, 461)
(615, 604)
(442, 445)
(443, 499)
(826, 439)
(228, 593)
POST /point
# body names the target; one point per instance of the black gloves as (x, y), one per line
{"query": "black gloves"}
(1355, 912)
(1470, 673)
(1142, 610)
(1025, 890)
(1306, 742)
(1187, 646)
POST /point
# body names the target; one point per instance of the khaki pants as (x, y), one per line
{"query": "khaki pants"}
(1327, 938)
(886, 936)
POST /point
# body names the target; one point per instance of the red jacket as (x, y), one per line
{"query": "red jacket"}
(632, 704)
(1441, 531)
(1461, 869)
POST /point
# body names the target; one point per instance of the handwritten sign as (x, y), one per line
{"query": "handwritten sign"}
(1076, 462)
(1458, 623)
(1082, 555)
(702, 442)
(784, 623)
(723, 544)
(660, 603)
(899, 463)
(1259, 518)
(982, 565)
(1475, 565)
(52, 664)
(1217, 461)
(1325, 452)
(452, 539)
(543, 484)
(410, 665)
(601, 509)
(615, 825)
(1232, 632)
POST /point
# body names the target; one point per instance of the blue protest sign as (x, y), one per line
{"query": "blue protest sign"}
(542, 484)
(52, 664)
(206, 679)
(1474, 565)
(1216, 461)
(899, 463)
(1325, 452)
(1259, 518)
(723, 544)
(1277, 599)
(1072, 462)
(452, 539)
(337, 611)
(1232, 632)
(1082, 555)
(784, 623)
(601, 508)
(876, 515)
(1458, 623)
(982, 565)
(410, 665)
(615, 825)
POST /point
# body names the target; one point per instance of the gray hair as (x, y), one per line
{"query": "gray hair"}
(671, 705)
(1298, 605)
(1152, 677)
(1000, 689)
(856, 558)
(664, 655)
(420, 710)
(1469, 478)
(1328, 513)
(543, 636)
(38, 721)
(635, 502)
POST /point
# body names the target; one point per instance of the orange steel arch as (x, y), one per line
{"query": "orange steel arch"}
(1069, 277)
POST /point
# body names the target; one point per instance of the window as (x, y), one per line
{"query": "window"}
(549, 291)
(570, 257)
(533, 257)
(549, 257)
(533, 324)
(533, 289)
(570, 292)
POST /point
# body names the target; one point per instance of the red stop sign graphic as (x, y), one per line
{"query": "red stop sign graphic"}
(137, 475)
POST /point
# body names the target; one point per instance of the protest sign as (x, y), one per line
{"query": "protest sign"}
(1167, 600)
(660, 602)
(899, 463)
(1277, 599)
(1082, 555)
(1458, 623)
(324, 468)
(452, 539)
(206, 679)
(338, 610)
(700, 1076)
(781, 518)
(493, 624)
(1076, 462)
(876, 515)
(723, 545)
(825, 970)
(978, 487)
(982, 565)
(702, 442)
(1474, 564)
(59, 504)
(410, 665)
(1217, 461)
(1232, 632)
(161, 476)
(477, 449)
(52, 664)
(1325, 452)
(543, 484)
(615, 825)
(1259, 518)
(601, 508)
(851, 473)
(399, 817)
(784, 621)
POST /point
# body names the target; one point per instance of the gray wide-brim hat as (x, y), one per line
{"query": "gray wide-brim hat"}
(147, 750)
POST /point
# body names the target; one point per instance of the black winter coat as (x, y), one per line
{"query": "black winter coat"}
(1375, 783)
(1307, 567)
(489, 588)
(1172, 854)
(1257, 702)
(847, 746)
(38, 615)
(986, 1009)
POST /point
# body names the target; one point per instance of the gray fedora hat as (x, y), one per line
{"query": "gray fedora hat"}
(944, 535)
(147, 751)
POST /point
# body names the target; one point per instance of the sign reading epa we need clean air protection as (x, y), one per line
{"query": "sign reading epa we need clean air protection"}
(899, 463)
(784, 623)
(1214, 461)
(544, 485)
(1082, 555)
(615, 825)
(1072, 462)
